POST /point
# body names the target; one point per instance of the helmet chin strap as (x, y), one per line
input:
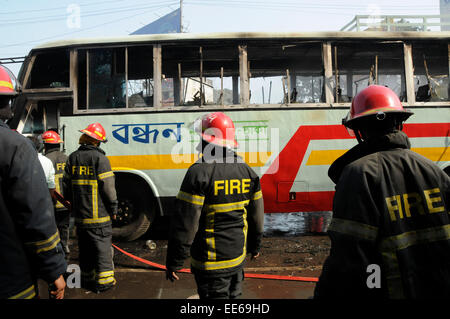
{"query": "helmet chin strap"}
(358, 136)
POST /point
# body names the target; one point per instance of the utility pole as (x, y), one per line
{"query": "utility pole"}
(181, 16)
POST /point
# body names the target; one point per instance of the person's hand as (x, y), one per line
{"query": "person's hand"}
(59, 285)
(254, 256)
(171, 275)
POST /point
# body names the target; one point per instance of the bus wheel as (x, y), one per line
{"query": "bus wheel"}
(135, 212)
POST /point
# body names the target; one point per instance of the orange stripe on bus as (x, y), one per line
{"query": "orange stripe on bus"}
(435, 154)
(327, 157)
(324, 157)
(176, 161)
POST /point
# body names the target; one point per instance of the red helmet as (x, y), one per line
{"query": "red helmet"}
(96, 131)
(216, 128)
(51, 137)
(375, 100)
(6, 82)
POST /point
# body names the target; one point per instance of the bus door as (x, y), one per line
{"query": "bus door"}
(42, 115)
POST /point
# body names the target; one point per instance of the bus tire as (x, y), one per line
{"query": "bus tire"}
(134, 230)
(136, 210)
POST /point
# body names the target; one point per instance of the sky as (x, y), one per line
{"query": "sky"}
(26, 23)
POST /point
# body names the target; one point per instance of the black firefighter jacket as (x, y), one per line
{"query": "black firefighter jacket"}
(391, 210)
(29, 240)
(89, 184)
(220, 212)
(58, 159)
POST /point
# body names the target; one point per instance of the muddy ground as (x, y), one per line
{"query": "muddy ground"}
(284, 252)
(288, 248)
(295, 256)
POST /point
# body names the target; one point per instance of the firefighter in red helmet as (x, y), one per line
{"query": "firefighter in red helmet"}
(52, 150)
(30, 246)
(89, 185)
(390, 228)
(7, 93)
(219, 215)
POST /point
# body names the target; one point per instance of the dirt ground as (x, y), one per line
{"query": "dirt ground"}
(282, 254)
(287, 252)
(291, 256)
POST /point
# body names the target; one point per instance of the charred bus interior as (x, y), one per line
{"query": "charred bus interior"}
(233, 73)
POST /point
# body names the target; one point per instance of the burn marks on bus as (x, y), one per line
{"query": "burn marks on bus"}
(255, 71)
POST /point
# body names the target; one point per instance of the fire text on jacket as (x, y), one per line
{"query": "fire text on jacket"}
(82, 170)
(232, 186)
(414, 203)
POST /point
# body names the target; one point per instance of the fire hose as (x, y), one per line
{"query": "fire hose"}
(246, 275)
(66, 203)
(62, 200)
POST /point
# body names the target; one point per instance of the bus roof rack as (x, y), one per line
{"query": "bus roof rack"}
(398, 23)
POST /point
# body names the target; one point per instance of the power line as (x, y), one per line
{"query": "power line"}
(51, 9)
(313, 8)
(290, 9)
(296, 4)
(269, 5)
(279, 6)
(89, 14)
(60, 8)
(77, 31)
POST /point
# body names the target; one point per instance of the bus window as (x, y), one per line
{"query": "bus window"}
(282, 71)
(140, 76)
(358, 65)
(200, 75)
(50, 70)
(106, 73)
(430, 62)
(34, 121)
(308, 89)
(167, 90)
(215, 91)
(82, 80)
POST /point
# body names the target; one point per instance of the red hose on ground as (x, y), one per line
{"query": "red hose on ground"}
(247, 275)
(145, 261)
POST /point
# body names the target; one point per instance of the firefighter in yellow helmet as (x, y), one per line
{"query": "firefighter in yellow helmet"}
(89, 185)
(390, 232)
(29, 245)
(220, 213)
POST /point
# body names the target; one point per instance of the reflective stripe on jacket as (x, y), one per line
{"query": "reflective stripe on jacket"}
(58, 159)
(29, 245)
(391, 208)
(220, 212)
(89, 185)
